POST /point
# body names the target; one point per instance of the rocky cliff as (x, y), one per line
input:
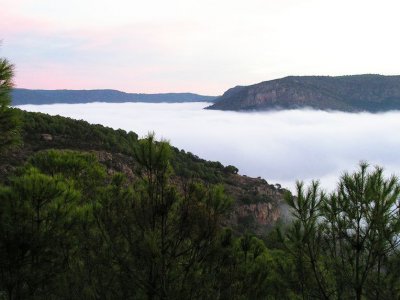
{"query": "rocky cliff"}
(371, 93)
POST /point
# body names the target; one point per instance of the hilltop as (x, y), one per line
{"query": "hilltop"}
(27, 96)
(372, 93)
(257, 204)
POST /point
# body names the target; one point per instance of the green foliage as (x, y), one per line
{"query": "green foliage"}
(244, 268)
(344, 241)
(9, 119)
(162, 236)
(37, 216)
(73, 134)
(70, 231)
(82, 169)
(80, 135)
(189, 165)
(231, 169)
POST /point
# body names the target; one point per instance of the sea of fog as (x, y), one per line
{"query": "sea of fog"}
(282, 146)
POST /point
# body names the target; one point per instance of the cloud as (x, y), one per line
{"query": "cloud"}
(281, 147)
(199, 46)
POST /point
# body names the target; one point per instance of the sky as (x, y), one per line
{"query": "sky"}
(196, 46)
(279, 146)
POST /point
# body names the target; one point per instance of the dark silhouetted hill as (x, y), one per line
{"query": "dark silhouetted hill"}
(26, 96)
(371, 93)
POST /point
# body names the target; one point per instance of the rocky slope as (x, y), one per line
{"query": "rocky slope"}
(371, 93)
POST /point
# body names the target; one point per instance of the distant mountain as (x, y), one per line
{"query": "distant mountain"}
(25, 96)
(371, 93)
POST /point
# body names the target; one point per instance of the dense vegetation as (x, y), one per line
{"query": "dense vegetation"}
(80, 135)
(371, 93)
(349, 240)
(9, 122)
(70, 231)
(115, 148)
(72, 227)
(25, 96)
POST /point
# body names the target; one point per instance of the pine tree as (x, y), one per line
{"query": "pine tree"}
(348, 238)
(9, 121)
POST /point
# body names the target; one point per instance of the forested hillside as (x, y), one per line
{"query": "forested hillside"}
(257, 203)
(112, 216)
(88, 212)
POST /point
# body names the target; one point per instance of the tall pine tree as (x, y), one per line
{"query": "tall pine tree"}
(9, 123)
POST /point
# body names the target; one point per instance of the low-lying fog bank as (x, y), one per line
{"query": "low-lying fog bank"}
(280, 146)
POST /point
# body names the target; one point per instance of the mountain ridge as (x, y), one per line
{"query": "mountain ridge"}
(367, 92)
(22, 96)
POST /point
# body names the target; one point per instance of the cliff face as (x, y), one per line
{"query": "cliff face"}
(257, 206)
(346, 93)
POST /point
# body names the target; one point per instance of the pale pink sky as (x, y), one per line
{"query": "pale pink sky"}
(203, 46)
